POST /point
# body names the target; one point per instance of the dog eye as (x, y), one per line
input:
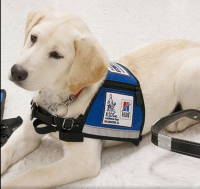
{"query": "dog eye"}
(55, 55)
(33, 38)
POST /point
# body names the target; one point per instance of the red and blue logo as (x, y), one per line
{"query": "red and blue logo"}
(126, 106)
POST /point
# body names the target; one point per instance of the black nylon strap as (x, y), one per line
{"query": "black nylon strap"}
(43, 130)
(65, 126)
(68, 137)
(174, 144)
(42, 117)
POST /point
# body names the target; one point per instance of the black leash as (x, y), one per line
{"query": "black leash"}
(8, 126)
(70, 129)
(174, 144)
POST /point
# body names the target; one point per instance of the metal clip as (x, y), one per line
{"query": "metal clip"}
(69, 100)
(63, 124)
(70, 126)
(164, 142)
(54, 120)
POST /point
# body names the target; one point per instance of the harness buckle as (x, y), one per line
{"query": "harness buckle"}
(54, 121)
(71, 126)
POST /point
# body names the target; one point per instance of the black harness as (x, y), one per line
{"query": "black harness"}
(70, 129)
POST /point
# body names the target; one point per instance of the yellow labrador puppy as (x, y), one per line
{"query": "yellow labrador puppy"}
(60, 57)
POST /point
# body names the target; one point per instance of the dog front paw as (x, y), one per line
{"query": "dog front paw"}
(172, 128)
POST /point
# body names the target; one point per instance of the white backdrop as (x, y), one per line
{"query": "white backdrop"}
(120, 26)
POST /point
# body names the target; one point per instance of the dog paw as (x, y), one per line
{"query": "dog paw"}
(180, 125)
(172, 128)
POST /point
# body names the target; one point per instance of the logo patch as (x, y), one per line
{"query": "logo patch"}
(115, 68)
(118, 110)
(125, 109)
(111, 116)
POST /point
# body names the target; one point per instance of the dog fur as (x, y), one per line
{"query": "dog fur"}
(168, 72)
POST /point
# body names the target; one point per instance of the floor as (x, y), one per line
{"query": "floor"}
(120, 26)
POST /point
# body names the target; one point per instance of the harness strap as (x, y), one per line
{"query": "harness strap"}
(174, 144)
(43, 130)
(69, 128)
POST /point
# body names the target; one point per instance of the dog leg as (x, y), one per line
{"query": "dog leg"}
(188, 89)
(23, 141)
(81, 160)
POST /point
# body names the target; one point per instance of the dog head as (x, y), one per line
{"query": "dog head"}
(59, 51)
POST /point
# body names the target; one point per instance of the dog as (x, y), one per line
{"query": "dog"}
(61, 57)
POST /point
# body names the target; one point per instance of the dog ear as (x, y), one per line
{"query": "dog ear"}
(34, 18)
(90, 63)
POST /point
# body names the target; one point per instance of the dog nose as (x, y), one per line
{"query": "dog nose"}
(18, 74)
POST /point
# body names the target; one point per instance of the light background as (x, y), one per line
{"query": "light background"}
(120, 26)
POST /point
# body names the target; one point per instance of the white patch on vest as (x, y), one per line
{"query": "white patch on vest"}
(118, 110)
(115, 68)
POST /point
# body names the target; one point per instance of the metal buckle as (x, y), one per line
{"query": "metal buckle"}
(54, 120)
(70, 126)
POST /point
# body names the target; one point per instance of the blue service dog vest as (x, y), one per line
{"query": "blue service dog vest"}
(117, 111)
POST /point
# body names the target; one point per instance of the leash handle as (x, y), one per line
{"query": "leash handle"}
(174, 144)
